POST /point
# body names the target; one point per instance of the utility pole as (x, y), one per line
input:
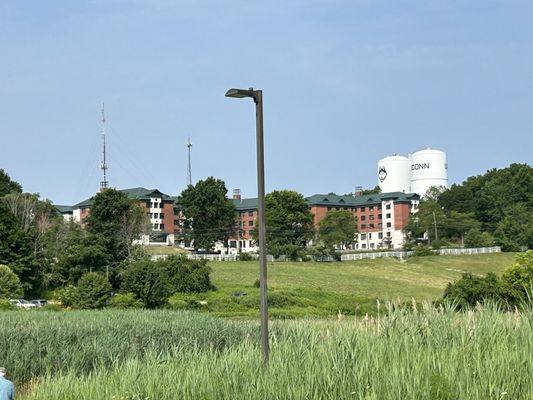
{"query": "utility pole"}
(435, 223)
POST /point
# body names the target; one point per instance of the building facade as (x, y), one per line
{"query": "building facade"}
(381, 218)
(158, 206)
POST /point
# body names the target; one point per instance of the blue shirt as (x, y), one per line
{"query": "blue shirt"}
(7, 389)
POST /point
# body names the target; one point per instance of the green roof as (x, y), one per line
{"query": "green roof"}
(246, 204)
(358, 201)
(138, 193)
(338, 201)
(64, 209)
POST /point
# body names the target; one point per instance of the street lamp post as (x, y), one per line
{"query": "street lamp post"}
(257, 96)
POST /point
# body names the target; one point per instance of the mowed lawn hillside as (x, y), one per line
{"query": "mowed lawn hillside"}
(299, 289)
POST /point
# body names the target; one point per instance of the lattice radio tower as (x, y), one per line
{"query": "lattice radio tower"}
(189, 177)
(103, 164)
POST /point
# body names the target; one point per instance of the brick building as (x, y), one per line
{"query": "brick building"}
(158, 206)
(381, 218)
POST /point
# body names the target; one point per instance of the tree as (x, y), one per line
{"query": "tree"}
(93, 291)
(147, 281)
(186, 275)
(289, 223)
(210, 215)
(517, 280)
(7, 185)
(515, 229)
(110, 212)
(10, 286)
(456, 224)
(475, 238)
(426, 222)
(153, 282)
(337, 227)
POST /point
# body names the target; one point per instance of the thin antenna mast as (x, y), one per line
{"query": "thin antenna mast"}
(189, 178)
(103, 164)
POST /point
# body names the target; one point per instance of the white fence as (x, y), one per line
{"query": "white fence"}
(353, 256)
(405, 254)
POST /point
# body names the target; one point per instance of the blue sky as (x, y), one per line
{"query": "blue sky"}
(345, 83)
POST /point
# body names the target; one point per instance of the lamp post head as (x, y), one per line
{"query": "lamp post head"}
(240, 93)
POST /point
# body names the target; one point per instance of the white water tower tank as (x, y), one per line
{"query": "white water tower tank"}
(393, 174)
(429, 167)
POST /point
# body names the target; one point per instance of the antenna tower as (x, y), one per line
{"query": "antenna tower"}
(103, 164)
(189, 178)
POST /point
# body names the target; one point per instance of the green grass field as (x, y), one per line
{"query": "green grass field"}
(299, 289)
(166, 355)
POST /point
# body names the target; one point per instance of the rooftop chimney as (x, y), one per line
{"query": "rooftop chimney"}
(236, 194)
(358, 191)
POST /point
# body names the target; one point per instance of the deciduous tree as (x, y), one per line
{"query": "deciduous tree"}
(210, 215)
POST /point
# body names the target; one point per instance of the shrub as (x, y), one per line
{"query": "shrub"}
(471, 289)
(517, 280)
(66, 295)
(245, 257)
(10, 286)
(186, 275)
(154, 282)
(422, 251)
(125, 300)
(476, 238)
(6, 305)
(93, 291)
(146, 280)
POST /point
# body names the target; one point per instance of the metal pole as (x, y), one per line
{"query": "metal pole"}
(258, 99)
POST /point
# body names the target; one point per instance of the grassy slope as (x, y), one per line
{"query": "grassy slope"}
(322, 289)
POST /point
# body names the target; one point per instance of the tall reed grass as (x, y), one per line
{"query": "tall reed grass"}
(424, 353)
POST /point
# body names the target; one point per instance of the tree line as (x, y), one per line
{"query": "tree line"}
(41, 254)
(495, 208)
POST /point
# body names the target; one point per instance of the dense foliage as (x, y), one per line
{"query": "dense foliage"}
(514, 289)
(337, 228)
(501, 201)
(289, 223)
(153, 282)
(211, 216)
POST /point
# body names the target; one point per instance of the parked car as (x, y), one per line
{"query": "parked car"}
(22, 303)
(39, 302)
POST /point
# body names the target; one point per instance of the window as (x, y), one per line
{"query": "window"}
(250, 223)
(250, 243)
(389, 224)
(370, 236)
(389, 234)
(387, 215)
(371, 208)
(363, 236)
(371, 217)
(380, 225)
(162, 226)
(380, 235)
(161, 215)
(371, 245)
(387, 207)
(371, 225)
(233, 244)
(250, 213)
(363, 226)
(380, 216)
(363, 246)
(363, 218)
(363, 209)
